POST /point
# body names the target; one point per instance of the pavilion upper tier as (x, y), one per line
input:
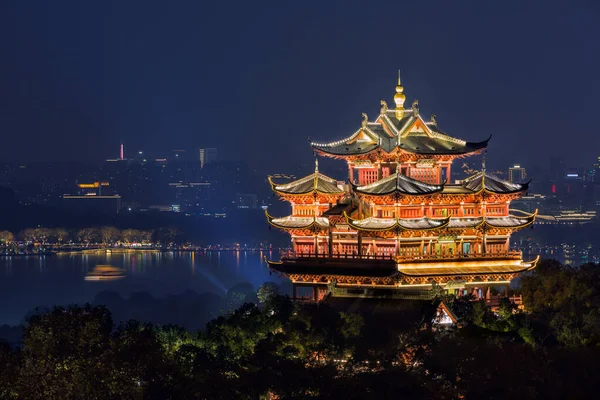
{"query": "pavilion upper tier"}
(399, 135)
(391, 139)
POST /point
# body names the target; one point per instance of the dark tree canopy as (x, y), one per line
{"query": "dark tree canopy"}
(355, 350)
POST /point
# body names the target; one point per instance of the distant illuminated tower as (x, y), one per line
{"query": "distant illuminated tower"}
(516, 174)
(121, 152)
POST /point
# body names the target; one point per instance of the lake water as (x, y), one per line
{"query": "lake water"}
(30, 282)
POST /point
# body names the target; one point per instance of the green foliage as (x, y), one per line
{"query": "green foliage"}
(140, 366)
(565, 302)
(234, 336)
(238, 295)
(173, 337)
(311, 351)
(267, 291)
(9, 371)
(462, 306)
(64, 353)
(351, 325)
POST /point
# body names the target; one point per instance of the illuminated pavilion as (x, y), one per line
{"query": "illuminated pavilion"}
(399, 228)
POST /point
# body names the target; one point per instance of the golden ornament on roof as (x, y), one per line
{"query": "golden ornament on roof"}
(415, 108)
(399, 98)
(384, 107)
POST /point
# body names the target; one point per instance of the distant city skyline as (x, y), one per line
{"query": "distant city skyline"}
(82, 76)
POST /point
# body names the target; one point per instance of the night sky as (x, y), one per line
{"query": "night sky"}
(255, 78)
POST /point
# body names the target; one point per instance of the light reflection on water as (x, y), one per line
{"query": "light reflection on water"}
(29, 282)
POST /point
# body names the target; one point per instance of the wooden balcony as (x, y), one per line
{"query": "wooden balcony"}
(290, 255)
(510, 255)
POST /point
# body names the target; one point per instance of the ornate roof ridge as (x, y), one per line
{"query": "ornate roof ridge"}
(426, 188)
(337, 142)
(449, 138)
(294, 222)
(313, 179)
(489, 182)
(309, 177)
(386, 224)
(524, 221)
(393, 112)
(376, 183)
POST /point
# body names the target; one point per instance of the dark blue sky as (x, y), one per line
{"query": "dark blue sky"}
(254, 79)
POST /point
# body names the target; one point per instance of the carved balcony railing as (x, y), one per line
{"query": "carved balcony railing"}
(512, 255)
(342, 256)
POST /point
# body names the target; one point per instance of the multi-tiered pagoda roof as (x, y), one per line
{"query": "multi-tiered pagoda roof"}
(410, 134)
(400, 221)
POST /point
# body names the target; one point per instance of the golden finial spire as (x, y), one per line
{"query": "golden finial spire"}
(316, 165)
(399, 99)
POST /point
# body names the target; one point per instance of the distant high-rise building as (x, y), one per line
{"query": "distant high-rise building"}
(516, 174)
(121, 152)
(207, 156)
(191, 196)
(594, 172)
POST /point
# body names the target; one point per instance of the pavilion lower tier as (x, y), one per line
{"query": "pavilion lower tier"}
(402, 275)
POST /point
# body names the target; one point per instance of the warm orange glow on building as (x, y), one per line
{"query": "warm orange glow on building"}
(399, 223)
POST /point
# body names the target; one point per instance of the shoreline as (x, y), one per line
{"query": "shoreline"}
(129, 250)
